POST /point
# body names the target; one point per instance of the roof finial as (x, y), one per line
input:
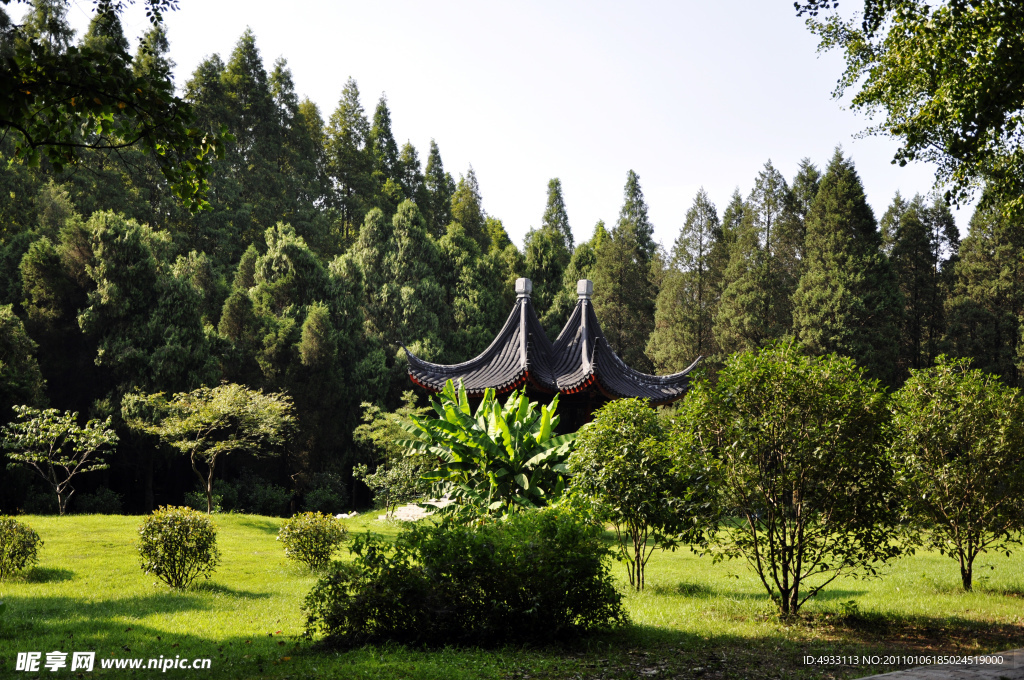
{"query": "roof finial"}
(523, 288)
(585, 288)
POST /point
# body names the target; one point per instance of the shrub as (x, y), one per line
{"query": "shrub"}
(327, 494)
(533, 576)
(311, 538)
(197, 501)
(177, 545)
(249, 493)
(19, 546)
(103, 502)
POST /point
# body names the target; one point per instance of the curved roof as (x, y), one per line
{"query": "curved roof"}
(580, 359)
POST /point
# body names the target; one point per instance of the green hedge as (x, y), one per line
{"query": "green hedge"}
(535, 576)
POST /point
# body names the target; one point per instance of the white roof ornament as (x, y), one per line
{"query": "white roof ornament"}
(585, 288)
(523, 288)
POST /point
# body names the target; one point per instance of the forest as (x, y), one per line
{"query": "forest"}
(325, 245)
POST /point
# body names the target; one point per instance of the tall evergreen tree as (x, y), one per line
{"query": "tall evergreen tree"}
(349, 165)
(688, 298)
(802, 193)
(383, 152)
(847, 300)
(546, 259)
(440, 189)
(581, 266)
(467, 209)
(555, 215)
(624, 292)
(916, 262)
(410, 177)
(105, 33)
(986, 311)
(759, 280)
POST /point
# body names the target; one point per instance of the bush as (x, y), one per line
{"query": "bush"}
(311, 538)
(177, 545)
(531, 577)
(103, 502)
(19, 546)
(249, 493)
(197, 501)
(327, 494)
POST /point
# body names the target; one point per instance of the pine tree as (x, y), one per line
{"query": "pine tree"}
(581, 266)
(688, 297)
(847, 300)
(624, 292)
(555, 216)
(759, 280)
(467, 209)
(383, 152)
(410, 177)
(546, 259)
(106, 34)
(151, 58)
(802, 193)
(348, 163)
(915, 257)
(440, 189)
(986, 309)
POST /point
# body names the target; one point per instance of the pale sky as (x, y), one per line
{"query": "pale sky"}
(686, 93)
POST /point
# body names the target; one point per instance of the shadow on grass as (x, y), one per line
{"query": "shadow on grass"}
(264, 525)
(220, 589)
(47, 575)
(683, 589)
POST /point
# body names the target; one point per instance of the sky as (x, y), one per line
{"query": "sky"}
(688, 94)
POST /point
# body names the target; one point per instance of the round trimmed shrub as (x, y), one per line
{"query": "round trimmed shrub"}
(19, 546)
(311, 538)
(178, 545)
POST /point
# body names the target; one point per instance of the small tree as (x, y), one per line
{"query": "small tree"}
(958, 443)
(213, 421)
(54, 445)
(622, 463)
(398, 477)
(497, 460)
(803, 465)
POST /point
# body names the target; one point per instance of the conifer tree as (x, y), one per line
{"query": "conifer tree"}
(546, 259)
(410, 177)
(759, 280)
(548, 249)
(440, 189)
(916, 263)
(847, 300)
(624, 292)
(802, 193)
(383, 152)
(467, 209)
(581, 266)
(986, 310)
(348, 163)
(555, 215)
(688, 298)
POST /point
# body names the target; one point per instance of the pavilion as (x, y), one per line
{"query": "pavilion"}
(580, 366)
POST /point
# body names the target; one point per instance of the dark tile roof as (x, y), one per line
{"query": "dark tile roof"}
(579, 359)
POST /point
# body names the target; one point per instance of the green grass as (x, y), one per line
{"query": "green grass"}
(694, 620)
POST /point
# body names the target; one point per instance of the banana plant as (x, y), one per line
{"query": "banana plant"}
(496, 460)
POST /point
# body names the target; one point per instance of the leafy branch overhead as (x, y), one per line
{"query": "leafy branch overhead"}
(58, 101)
(947, 79)
(496, 459)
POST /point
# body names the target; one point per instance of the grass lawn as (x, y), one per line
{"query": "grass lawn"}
(694, 620)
